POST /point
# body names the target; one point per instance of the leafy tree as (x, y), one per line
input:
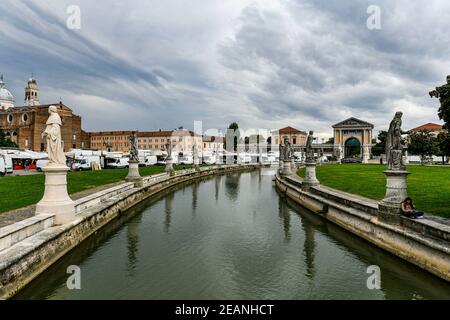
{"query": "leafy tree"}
(233, 126)
(443, 93)
(330, 141)
(443, 143)
(4, 142)
(380, 147)
(423, 144)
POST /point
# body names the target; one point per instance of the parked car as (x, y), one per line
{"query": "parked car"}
(41, 164)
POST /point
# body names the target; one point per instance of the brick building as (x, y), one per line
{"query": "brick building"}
(24, 124)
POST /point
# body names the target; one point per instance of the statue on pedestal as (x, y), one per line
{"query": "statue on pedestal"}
(394, 147)
(52, 135)
(134, 154)
(287, 150)
(309, 148)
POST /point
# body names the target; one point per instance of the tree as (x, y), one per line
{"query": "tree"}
(4, 142)
(233, 126)
(423, 144)
(443, 93)
(443, 143)
(330, 141)
(380, 147)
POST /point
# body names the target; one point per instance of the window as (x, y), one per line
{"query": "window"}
(24, 117)
(9, 118)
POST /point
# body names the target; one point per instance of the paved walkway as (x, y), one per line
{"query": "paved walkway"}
(10, 217)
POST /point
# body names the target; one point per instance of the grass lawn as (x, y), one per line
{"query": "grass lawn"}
(429, 187)
(21, 191)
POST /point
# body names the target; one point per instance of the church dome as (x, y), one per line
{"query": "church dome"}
(5, 95)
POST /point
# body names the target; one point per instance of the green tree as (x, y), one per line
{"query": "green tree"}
(423, 144)
(443, 143)
(380, 147)
(233, 126)
(4, 142)
(443, 93)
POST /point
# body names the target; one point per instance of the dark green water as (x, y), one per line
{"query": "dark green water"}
(230, 237)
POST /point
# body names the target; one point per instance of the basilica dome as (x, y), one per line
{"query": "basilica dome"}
(6, 98)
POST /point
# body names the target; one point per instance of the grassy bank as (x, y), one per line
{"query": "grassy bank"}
(21, 191)
(429, 187)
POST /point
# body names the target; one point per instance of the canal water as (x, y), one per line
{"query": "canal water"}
(230, 237)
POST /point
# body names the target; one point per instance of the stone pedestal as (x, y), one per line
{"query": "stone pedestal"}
(56, 200)
(169, 167)
(133, 173)
(286, 170)
(396, 192)
(310, 175)
(293, 166)
(366, 154)
(196, 164)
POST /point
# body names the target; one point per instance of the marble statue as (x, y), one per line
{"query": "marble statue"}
(169, 149)
(394, 147)
(309, 148)
(52, 135)
(134, 154)
(287, 150)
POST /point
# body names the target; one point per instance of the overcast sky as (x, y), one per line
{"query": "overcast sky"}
(264, 64)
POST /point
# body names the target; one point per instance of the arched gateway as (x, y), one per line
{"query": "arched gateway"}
(353, 139)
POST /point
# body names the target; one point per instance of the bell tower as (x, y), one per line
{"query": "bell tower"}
(32, 92)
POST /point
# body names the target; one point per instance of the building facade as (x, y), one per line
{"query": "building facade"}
(295, 136)
(433, 128)
(24, 125)
(353, 139)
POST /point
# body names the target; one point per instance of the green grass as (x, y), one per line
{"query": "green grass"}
(21, 191)
(429, 187)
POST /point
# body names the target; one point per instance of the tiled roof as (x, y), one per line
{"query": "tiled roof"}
(288, 130)
(429, 127)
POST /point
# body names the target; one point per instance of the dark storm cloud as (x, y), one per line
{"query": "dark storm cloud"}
(267, 64)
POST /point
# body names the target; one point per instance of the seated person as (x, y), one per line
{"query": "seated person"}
(409, 211)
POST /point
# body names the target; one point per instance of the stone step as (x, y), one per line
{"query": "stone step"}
(96, 198)
(21, 230)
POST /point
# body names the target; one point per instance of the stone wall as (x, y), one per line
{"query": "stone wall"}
(425, 242)
(25, 260)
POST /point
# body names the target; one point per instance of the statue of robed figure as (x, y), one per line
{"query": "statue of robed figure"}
(287, 150)
(309, 149)
(134, 153)
(52, 135)
(394, 147)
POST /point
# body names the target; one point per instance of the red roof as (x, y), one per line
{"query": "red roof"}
(429, 127)
(288, 130)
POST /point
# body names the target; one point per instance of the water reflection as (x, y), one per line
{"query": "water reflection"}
(217, 181)
(133, 243)
(232, 185)
(266, 247)
(283, 213)
(168, 201)
(195, 186)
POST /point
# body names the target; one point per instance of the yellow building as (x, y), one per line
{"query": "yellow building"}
(353, 139)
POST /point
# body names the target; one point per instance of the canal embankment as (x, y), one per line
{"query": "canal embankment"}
(29, 247)
(424, 243)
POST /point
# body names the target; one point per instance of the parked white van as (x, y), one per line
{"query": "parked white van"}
(6, 166)
(85, 163)
(117, 163)
(41, 164)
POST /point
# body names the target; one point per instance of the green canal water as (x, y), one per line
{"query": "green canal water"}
(230, 237)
